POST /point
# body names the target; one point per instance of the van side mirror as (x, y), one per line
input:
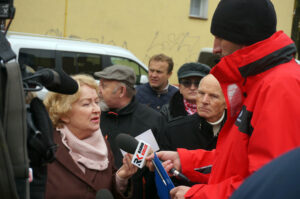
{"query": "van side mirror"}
(142, 79)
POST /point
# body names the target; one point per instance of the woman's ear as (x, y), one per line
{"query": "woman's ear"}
(65, 119)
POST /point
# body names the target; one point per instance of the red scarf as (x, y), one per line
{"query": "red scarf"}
(189, 107)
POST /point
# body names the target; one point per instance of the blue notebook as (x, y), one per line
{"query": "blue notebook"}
(162, 180)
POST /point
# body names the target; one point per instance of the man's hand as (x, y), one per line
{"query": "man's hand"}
(170, 160)
(179, 192)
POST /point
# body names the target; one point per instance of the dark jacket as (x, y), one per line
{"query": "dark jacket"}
(67, 181)
(190, 132)
(133, 119)
(146, 95)
(174, 108)
(278, 179)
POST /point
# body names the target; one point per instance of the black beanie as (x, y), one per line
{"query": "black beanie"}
(244, 21)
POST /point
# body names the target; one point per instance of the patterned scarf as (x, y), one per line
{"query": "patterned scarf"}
(189, 107)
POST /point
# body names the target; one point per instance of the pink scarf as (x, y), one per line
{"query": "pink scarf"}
(90, 152)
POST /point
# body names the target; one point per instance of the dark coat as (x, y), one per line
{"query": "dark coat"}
(174, 108)
(277, 179)
(67, 181)
(146, 95)
(190, 132)
(133, 119)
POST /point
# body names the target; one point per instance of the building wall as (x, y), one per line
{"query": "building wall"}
(143, 27)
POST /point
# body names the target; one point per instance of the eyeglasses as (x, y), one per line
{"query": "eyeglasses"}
(188, 83)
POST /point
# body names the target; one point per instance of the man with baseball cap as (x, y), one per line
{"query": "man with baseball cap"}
(121, 113)
(261, 84)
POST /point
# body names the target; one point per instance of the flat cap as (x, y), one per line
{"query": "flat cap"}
(193, 69)
(119, 73)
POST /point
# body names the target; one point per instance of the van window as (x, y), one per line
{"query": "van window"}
(127, 62)
(74, 62)
(37, 58)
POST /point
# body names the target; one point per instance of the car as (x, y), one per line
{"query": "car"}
(207, 57)
(73, 56)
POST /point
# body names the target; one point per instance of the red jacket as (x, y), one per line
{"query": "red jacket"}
(261, 84)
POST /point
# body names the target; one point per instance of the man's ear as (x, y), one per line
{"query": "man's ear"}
(123, 90)
(170, 74)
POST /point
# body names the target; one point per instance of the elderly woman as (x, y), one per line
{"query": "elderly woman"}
(84, 161)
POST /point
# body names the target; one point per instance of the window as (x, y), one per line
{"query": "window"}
(199, 8)
(127, 62)
(73, 63)
(36, 58)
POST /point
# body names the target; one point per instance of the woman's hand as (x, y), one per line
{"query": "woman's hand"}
(127, 169)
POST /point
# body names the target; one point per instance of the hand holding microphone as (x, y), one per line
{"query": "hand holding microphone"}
(143, 153)
(127, 169)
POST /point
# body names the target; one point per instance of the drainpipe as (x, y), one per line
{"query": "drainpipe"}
(65, 20)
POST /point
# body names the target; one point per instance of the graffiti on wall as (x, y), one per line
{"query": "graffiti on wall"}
(183, 47)
(102, 40)
(174, 44)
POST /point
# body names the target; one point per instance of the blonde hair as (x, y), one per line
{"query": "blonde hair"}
(59, 105)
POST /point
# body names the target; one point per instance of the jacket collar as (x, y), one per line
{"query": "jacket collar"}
(176, 105)
(239, 71)
(255, 59)
(124, 111)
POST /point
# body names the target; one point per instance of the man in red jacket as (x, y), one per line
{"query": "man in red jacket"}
(261, 83)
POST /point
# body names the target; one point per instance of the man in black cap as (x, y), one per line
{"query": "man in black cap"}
(121, 113)
(183, 102)
(261, 84)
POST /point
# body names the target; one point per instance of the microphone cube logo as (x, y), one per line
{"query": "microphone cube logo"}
(140, 154)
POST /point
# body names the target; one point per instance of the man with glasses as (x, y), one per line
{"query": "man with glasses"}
(183, 102)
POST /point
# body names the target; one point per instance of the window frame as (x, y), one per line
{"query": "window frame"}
(202, 9)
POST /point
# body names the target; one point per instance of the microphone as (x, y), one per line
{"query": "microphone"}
(133, 146)
(55, 80)
(104, 194)
(139, 149)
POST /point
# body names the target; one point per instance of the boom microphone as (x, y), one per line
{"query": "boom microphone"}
(133, 146)
(55, 80)
(104, 194)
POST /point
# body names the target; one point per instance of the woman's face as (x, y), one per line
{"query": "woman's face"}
(84, 117)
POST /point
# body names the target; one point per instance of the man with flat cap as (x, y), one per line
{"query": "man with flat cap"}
(121, 113)
(183, 102)
(260, 80)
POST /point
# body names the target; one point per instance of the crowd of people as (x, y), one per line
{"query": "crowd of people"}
(218, 127)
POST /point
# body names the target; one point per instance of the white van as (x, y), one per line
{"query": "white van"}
(73, 56)
(207, 57)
